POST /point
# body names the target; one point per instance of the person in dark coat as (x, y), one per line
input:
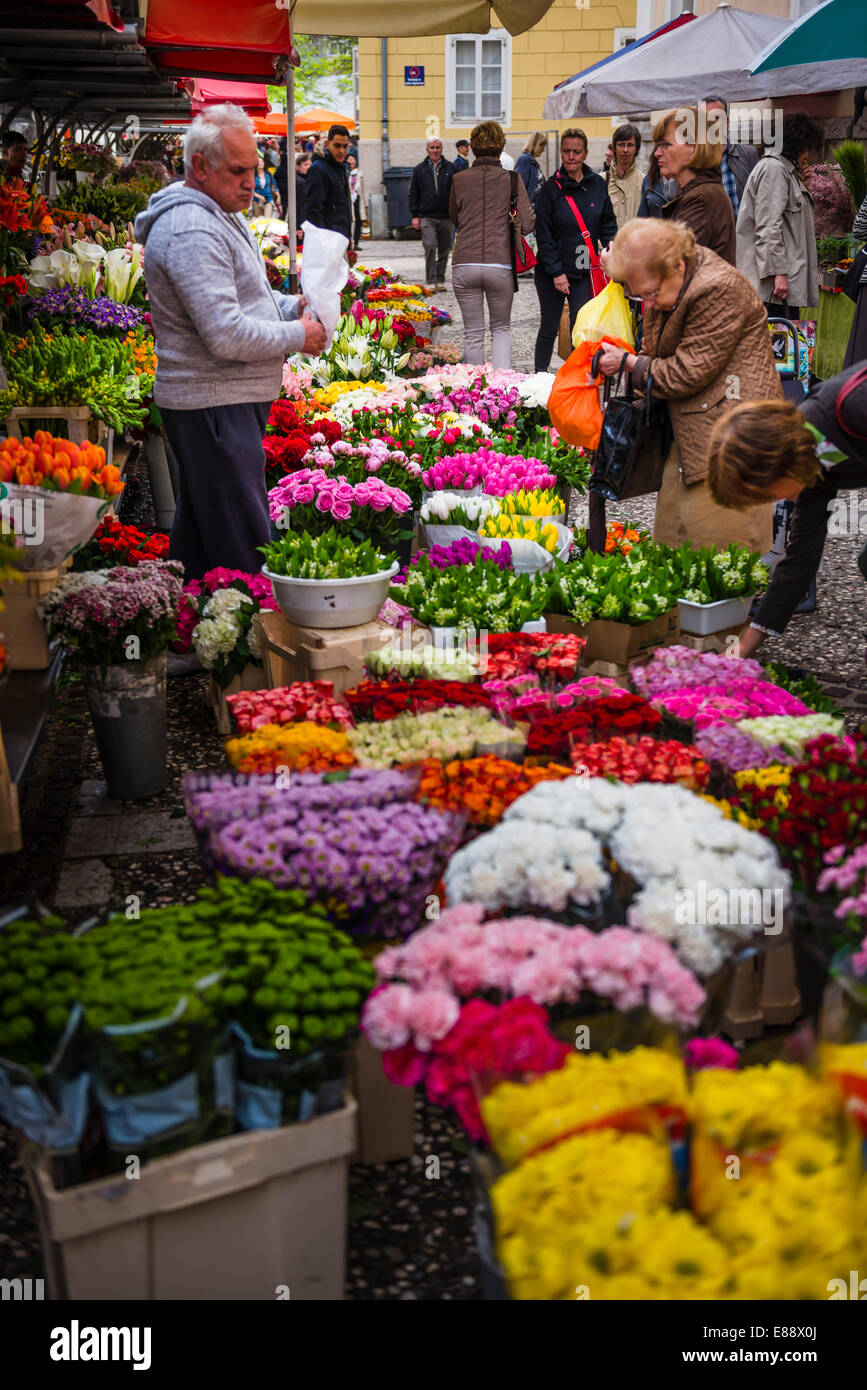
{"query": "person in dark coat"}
(806, 453)
(563, 267)
(655, 190)
(429, 191)
(528, 166)
(856, 348)
(302, 169)
(462, 158)
(328, 203)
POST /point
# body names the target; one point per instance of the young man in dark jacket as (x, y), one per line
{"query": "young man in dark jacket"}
(563, 260)
(774, 450)
(462, 158)
(429, 191)
(328, 203)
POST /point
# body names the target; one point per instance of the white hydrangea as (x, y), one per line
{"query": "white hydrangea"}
(226, 601)
(215, 637)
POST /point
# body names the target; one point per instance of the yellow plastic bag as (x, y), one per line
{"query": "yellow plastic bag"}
(605, 316)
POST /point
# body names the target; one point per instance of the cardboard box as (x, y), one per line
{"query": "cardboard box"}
(251, 678)
(718, 642)
(386, 1112)
(620, 643)
(233, 1219)
(25, 633)
(293, 653)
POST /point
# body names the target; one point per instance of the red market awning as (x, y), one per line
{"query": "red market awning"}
(252, 96)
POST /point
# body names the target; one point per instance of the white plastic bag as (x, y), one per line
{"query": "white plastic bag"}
(324, 272)
(49, 525)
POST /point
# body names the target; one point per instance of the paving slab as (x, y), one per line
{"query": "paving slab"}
(83, 883)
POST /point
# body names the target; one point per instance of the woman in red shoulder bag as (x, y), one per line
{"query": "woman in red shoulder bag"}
(485, 201)
(574, 217)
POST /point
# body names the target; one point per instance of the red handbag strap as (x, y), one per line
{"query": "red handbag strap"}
(858, 379)
(594, 259)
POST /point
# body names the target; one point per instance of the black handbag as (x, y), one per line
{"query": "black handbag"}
(635, 440)
(852, 283)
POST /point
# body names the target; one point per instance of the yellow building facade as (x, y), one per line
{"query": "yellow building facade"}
(472, 77)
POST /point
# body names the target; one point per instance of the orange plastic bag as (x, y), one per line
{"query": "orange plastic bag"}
(573, 404)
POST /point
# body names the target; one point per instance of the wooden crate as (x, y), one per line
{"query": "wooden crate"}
(10, 819)
(80, 422)
(25, 633)
(293, 653)
(251, 678)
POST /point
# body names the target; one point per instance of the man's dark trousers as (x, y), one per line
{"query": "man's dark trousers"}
(221, 513)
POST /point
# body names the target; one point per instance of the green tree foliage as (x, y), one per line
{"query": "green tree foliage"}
(321, 60)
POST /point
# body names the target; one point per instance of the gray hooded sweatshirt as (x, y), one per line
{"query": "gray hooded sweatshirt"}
(222, 333)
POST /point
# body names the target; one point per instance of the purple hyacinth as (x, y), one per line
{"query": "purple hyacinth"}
(71, 304)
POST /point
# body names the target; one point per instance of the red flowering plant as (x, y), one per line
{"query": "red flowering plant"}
(485, 1043)
(555, 731)
(822, 804)
(378, 700)
(112, 543)
(310, 702)
(289, 438)
(556, 658)
(647, 760)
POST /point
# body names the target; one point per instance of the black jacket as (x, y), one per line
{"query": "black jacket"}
(427, 197)
(531, 173)
(558, 236)
(328, 203)
(459, 163)
(796, 570)
(300, 199)
(654, 196)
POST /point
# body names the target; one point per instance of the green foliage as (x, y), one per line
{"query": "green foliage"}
(56, 369)
(115, 203)
(852, 159)
(244, 952)
(319, 62)
(299, 555)
(831, 249)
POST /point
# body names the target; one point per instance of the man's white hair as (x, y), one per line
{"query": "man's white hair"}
(205, 135)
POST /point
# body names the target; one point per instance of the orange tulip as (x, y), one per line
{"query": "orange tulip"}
(61, 477)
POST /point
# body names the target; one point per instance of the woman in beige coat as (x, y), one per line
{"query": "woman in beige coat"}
(483, 257)
(707, 347)
(776, 235)
(624, 178)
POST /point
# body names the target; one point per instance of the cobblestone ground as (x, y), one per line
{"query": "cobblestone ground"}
(410, 1237)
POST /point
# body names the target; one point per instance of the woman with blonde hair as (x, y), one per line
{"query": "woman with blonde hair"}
(706, 346)
(687, 152)
(527, 163)
(483, 267)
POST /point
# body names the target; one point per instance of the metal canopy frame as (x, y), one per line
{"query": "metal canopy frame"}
(78, 71)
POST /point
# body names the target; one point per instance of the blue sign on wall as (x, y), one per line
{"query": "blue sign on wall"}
(413, 77)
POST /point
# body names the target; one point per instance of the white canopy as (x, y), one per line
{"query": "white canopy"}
(711, 56)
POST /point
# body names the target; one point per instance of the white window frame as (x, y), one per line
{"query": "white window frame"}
(624, 37)
(454, 121)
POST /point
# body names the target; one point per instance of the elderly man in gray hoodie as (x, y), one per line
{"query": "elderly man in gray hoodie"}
(222, 335)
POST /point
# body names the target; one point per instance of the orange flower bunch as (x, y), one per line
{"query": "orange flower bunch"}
(304, 747)
(621, 538)
(58, 466)
(22, 210)
(481, 788)
(141, 344)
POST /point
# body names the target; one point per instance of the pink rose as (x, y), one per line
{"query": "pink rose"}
(341, 511)
(304, 495)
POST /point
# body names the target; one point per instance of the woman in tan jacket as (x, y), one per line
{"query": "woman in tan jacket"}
(624, 178)
(483, 258)
(687, 151)
(707, 347)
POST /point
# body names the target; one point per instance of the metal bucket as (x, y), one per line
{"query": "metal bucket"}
(128, 709)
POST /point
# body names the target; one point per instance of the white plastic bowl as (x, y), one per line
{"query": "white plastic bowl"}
(331, 603)
(701, 619)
